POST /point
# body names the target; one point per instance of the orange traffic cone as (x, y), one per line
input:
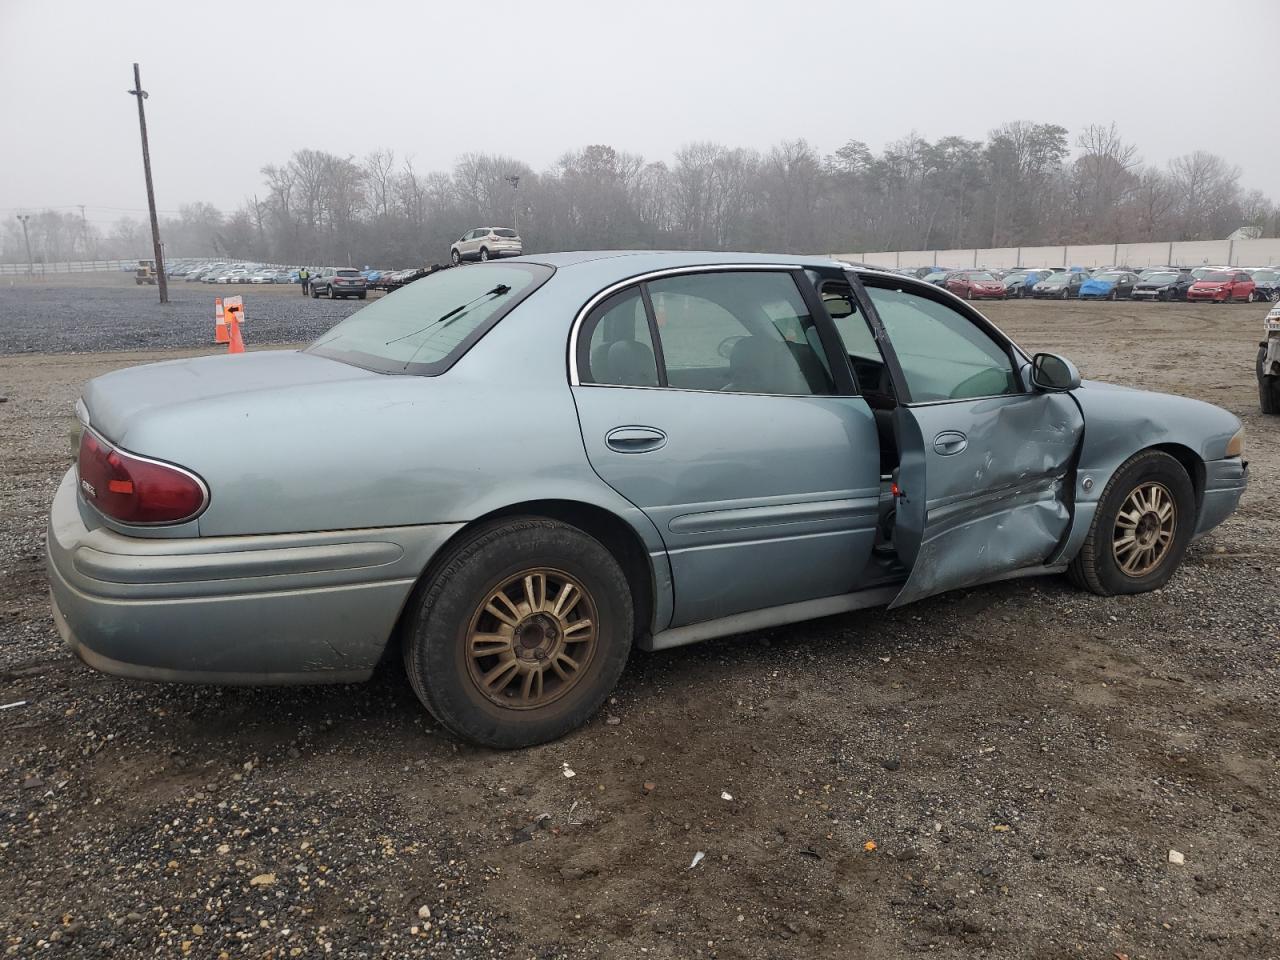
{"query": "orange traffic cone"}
(220, 334)
(237, 342)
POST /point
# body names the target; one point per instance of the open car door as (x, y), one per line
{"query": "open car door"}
(986, 463)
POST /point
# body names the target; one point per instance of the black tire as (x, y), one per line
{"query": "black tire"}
(1065, 293)
(1095, 568)
(1113, 295)
(315, 293)
(1275, 296)
(484, 255)
(362, 295)
(455, 256)
(439, 616)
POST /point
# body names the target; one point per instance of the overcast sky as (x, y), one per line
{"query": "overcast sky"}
(236, 85)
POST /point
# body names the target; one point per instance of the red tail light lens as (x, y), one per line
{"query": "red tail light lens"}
(133, 490)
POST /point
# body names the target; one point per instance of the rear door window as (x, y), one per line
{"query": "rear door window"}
(740, 332)
(619, 346)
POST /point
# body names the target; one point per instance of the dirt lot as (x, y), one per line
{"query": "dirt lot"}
(1023, 756)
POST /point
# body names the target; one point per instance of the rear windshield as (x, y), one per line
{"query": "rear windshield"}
(348, 273)
(503, 232)
(425, 327)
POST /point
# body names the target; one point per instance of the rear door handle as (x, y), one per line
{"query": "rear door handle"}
(635, 439)
(950, 442)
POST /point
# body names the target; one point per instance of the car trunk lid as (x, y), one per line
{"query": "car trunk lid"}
(119, 401)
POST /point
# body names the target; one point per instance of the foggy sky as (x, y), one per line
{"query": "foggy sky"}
(236, 85)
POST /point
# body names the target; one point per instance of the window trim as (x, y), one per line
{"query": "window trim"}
(1017, 357)
(643, 279)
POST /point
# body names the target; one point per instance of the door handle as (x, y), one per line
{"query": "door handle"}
(635, 439)
(950, 442)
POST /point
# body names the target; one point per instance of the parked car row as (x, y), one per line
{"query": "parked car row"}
(220, 272)
(1206, 284)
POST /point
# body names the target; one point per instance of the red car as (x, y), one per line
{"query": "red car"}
(975, 284)
(1222, 286)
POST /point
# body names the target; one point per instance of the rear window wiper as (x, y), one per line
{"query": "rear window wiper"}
(453, 314)
(448, 318)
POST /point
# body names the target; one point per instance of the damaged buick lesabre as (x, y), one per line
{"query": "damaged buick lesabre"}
(511, 474)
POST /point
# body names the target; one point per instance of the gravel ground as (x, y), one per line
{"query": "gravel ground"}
(1000, 772)
(116, 314)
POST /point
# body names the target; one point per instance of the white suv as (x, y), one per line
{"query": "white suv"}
(486, 243)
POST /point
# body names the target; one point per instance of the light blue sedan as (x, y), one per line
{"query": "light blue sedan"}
(512, 473)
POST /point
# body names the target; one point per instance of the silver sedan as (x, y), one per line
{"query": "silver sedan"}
(513, 473)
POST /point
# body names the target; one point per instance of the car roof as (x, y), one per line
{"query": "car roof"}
(663, 259)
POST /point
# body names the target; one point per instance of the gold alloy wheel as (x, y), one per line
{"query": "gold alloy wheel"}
(1145, 529)
(532, 638)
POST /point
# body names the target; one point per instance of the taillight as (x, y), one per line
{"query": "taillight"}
(135, 490)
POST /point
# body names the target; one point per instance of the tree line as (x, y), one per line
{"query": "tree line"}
(1027, 184)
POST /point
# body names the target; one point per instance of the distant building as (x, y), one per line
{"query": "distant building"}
(1247, 232)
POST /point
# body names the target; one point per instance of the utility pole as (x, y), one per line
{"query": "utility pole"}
(514, 180)
(24, 217)
(84, 235)
(141, 94)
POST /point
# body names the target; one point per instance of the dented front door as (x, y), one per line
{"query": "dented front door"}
(985, 461)
(985, 488)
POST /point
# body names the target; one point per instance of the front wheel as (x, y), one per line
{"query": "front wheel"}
(1065, 294)
(1113, 295)
(315, 293)
(1141, 529)
(521, 634)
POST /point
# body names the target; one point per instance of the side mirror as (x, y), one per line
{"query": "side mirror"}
(1053, 373)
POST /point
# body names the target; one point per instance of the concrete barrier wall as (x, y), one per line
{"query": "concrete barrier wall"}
(997, 256)
(1186, 253)
(1256, 253)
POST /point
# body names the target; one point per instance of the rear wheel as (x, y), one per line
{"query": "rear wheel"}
(522, 633)
(315, 293)
(1113, 295)
(484, 254)
(1065, 293)
(1141, 529)
(362, 295)
(456, 257)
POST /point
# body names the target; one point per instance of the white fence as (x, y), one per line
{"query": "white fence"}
(66, 266)
(1188, 253)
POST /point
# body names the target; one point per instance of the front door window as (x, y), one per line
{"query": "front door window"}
(943, 354)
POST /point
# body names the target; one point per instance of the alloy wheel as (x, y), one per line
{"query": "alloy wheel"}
(1145, 529)
(532, 639)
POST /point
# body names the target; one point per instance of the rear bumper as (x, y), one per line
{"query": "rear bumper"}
(276, 609)
(1224, 483)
